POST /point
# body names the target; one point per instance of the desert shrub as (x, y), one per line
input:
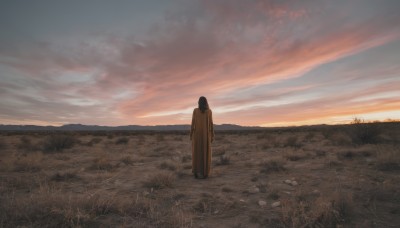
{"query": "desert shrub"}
(321, 212)
(295, 155)
(102, 163)
(223, 160)
(64, 176)
(340, 139)
(309, 136)
(29, 163)
(122, 140)
(206, 205)
(364, 133)
(388, 158)
(186, 158)
(168, 165)
(292, 141)
(127, 160)
(160, 181)
(160, 137)
(320, 153)
(56, 143)
(26, 144)
(218, 152)
(52, 208)
(3, 145)
(273, 165)
(94, 141)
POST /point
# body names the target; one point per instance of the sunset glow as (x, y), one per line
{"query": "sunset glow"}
(259, 63)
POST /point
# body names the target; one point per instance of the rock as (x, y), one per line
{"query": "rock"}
(254, 190)
(242, 200)
(290, 182)
(287, 181)
(262, 203)
(276, 204)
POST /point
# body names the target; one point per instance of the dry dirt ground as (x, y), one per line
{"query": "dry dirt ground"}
(291, 177)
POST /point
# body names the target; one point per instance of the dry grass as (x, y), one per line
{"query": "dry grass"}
(58, 143)
(388, 158)
(169, 165)
(149, 183)
(122, 140)
(321, 212)
(223, 160)
(273, 165)
(160, 181)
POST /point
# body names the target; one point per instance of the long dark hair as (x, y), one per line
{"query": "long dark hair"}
(203, 104)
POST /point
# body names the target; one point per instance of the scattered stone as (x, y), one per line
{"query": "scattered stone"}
(216, 211)
(289, 193)
(254, 190)
(262, 203)
(290, 182)
(276, 204)
(242, 200)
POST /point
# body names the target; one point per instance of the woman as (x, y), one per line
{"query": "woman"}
(201, 134)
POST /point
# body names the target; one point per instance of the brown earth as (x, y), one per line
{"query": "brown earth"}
(143, 179)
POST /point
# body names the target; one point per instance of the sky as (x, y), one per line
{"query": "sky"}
(258, 62)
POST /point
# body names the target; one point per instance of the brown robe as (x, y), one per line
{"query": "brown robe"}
(201, 134)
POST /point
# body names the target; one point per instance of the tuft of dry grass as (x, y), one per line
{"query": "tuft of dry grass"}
(66, 176)
(362, 132)
(292, 141)
(127, 160)
(160, 181)
(102, 163)
(50, 208)
(337, 209)
(388, 158)
(273, 165)
(31, 162)
(122, 140)
(295, 155)
(168, 165)
(223, 160)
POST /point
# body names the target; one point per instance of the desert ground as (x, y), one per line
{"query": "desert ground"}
(322, 176)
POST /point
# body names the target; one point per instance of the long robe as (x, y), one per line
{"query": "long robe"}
(201, 134)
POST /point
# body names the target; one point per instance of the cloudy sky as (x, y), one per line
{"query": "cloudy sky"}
(258, 62)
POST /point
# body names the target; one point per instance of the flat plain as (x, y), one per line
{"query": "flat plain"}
(322, 176)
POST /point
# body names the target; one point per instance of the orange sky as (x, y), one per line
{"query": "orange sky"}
(259, 63)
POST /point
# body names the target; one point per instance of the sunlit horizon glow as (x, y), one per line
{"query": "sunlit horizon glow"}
(259, 63)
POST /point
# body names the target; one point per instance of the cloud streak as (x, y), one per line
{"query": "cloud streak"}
(259, 63)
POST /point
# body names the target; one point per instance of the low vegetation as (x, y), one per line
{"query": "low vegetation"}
(316, 176)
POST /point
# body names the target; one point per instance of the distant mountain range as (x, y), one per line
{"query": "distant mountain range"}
(80, 127)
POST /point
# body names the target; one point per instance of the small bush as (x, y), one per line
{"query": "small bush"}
(122, 140)
(102, 163)
(168, 165)
(3, 146)
(364, 133)
(223, 160)
(388, 158)
(273, 165)
(56, 143)
(322, 212)
(160, 181)
(186, 158)
(292, 141)
(64, 176)
(127, 160)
